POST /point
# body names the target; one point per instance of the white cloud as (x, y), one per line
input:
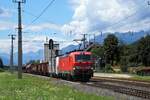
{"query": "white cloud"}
(43, 26)
(5, 45)
(4, 25)
(98, 15)
(76, 27)
(31, 43)
(36, 42)
(136, 26)
(90, 16)
(5, 12)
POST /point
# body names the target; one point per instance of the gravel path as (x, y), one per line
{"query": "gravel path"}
(112, 75)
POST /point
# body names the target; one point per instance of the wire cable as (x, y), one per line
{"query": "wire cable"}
(44, 10)
(33, 15)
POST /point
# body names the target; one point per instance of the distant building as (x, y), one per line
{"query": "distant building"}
(47, 51)
(51, 58)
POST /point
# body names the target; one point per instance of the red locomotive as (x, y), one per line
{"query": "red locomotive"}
(73, 66)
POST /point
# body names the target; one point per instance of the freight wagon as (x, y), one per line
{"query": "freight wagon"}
(73, 66)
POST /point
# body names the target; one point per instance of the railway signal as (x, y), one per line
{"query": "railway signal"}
(51, 44)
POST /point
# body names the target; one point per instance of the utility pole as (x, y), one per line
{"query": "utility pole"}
(148, 2)
(94, 38)
(84, 40)
(11, 53)
(89, 38)
(19, 38)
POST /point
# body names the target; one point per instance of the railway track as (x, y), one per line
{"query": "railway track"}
(118, 89)
(126, 79)
(122, 81)
(126, 86)
(124, 90)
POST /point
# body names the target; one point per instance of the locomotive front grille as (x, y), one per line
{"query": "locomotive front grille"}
(83, 72)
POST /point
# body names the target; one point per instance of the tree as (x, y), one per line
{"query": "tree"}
(111, 48)
(99, 52)
(129, 55)
(143, 48)
(1, 63)
(34, 62)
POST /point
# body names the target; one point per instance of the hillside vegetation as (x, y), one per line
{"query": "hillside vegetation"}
(115, 53)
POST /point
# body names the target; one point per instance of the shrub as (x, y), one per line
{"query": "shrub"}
(1, 70)
(108, 68)
(124, 68)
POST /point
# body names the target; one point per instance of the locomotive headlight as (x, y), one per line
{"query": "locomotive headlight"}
(77, 67)
(74, 68)
(92, 68)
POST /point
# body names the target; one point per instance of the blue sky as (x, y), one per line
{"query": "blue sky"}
(58, 14)
(69, 19)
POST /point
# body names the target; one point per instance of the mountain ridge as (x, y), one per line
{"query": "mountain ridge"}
(125, 37)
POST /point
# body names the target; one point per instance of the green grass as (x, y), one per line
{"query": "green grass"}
(1, 70)
(141, 78)
(33, 88)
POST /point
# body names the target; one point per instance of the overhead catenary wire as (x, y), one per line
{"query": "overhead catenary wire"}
(43, 11)
(109, 26)
(33, 15)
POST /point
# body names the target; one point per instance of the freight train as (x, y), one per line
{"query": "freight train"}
(77, 65)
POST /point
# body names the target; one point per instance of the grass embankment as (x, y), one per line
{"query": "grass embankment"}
(1, 70)
(141, 78)
(33, 88)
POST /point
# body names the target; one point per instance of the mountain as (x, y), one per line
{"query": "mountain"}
(39, 55)
(126, 37)
(29, 56)
(69, 48)
(5, 58)
(26, 57)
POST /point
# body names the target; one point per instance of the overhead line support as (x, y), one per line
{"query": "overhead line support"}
(19, 37)
(11, 53)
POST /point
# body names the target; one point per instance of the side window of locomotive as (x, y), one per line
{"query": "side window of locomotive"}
(80, 58)
(87, 57)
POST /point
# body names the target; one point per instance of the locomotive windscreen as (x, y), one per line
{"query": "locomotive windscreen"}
(82, 57)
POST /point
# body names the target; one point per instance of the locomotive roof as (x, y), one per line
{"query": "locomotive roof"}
(75, 53)
(80, 52)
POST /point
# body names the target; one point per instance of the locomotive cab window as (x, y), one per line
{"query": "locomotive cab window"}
(82, 57)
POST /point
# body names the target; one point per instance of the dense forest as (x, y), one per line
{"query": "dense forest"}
(114, 52)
